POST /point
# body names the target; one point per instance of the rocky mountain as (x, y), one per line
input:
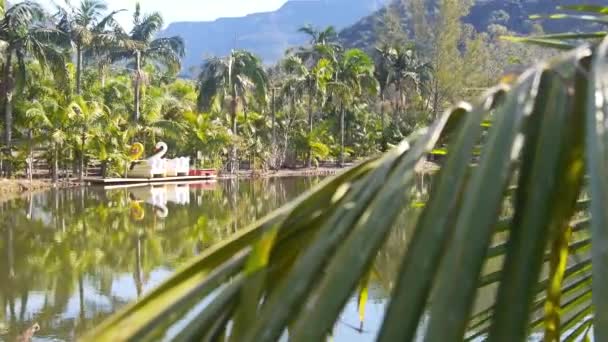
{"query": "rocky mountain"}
(267, 34)
(513, 14)
(270, 34)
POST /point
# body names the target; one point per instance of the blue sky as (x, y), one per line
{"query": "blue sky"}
(189, 10)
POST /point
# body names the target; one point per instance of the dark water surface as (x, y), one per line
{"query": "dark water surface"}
(70, 258)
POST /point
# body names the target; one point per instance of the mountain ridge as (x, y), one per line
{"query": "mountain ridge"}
(512, 14)
(268, 34)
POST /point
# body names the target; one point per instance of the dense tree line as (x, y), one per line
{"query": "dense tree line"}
(79, 87)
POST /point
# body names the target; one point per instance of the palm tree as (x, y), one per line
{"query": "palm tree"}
(310, 81)
(52, 122)
(85, 116)
(317, 36)
(398, 67)
(384, 75)
(85, 25)
(407, 68)
(542, 175)
(354, 78)
(24, 34)
(141, 47)
(233, 77)
(108, 143)
(318, 39)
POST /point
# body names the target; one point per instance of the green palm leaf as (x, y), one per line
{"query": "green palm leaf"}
(535, 140)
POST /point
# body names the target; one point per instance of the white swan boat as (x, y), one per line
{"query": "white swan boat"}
(152, 167)
(178, 167)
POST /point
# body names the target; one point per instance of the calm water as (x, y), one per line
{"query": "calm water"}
(70, 258)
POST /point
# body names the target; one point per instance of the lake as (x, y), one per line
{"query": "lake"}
(72, 257)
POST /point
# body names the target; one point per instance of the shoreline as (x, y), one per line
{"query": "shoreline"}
(303, 172)
(15, 188)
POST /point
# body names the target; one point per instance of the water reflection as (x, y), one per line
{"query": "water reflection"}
(70, 258)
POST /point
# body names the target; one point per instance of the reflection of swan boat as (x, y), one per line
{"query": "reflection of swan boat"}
(155, 196)
(178, 194)
(205, 185)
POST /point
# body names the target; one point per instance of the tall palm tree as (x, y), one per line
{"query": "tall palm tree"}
(108, 142)
(385, 55)
(399, 68)
(311, 81)
(85, 25)
(407, 69)
(318, 38)
(85, 115)
(354, 78)
(23, 30)
(52, 122)
(233, 77)
(140, 47)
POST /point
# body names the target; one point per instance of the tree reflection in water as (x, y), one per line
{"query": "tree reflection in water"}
(69, 258)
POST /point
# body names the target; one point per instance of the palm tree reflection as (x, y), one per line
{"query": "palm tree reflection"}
(72, 257)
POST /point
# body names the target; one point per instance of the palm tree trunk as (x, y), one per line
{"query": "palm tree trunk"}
(341, 135)
(81, 157)
(233, 124)
(310, 126)
(8, 89)
(78, 69)
(136, 105)
(81, 300)
(382, 123)
(401, 99)
(30, 155)
(104, 168)
(102, 74)
(55, 167)
(274, 132)
(10, 250)
(435, 99)
(138, 267)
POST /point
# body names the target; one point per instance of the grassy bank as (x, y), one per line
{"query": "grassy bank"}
(12, 188)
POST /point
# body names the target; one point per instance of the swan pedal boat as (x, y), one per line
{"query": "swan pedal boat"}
(156, 166)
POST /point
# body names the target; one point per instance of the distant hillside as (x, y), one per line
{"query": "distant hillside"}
(514, 14)
(267, 34)
(270, 34)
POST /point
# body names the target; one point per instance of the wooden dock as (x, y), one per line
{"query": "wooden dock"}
(143, 181)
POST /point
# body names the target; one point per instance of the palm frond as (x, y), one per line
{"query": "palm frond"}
(212, 81)
(149, 26)
(168, 51)
(585, 8)
(597, 163)
(109, 21)
(296, 269)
